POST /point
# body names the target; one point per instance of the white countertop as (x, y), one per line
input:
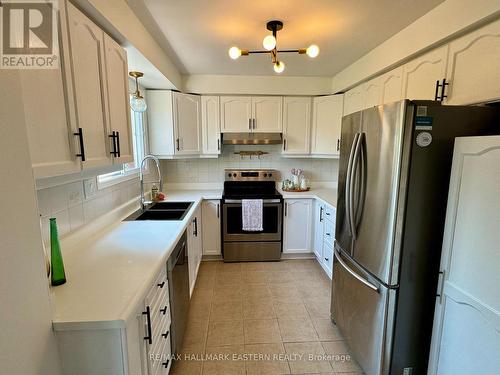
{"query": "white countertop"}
(327, 195)
(109, 274)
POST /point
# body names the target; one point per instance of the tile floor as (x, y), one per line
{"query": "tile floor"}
(262, 318)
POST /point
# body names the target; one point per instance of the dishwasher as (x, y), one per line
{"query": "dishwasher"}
(178, 277)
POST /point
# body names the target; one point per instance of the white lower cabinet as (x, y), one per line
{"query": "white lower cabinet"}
(318, 230)
(297, 228)
(210, 213)
(324, 235)
(141, 346)
(194, 245)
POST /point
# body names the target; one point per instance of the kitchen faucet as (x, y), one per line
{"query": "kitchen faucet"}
(141, 177)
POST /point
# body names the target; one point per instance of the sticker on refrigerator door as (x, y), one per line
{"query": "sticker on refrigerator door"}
(423, 123)
(424, 139)
(422, 110)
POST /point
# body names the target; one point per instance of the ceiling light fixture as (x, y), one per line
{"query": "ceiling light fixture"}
(270, 45)
(137, 102)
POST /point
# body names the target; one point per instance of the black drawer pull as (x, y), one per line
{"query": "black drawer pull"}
(82, 147)
(165, 364)
(113, 137)
(327, 213)
(165, 335)
(164, 310)
(118, 144)
(328, 234)
(149, 337)
(326, 259)
(162, 284)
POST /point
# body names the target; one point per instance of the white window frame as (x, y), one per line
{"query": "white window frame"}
(125, 174)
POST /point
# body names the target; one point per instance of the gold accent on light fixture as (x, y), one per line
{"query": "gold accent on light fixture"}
(270, 46)
(137, 101)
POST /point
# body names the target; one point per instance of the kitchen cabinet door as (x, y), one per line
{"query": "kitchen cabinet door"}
(296, 125)
(187, 123)
(473, 74)
(420, 75)
(194, 249)
(211, 227)
(89, 78)
(267, 114)
(297, 228)
(326, 125)
(318, 231)
(392, 85)
(118, 101)
(373, 93)
(50, 114)
(236, 114)
(354, 100)
(210, 125)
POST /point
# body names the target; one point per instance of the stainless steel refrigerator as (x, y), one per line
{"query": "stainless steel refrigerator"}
(394, 170)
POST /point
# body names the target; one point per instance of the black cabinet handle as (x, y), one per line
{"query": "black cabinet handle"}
(113, 137)
(118, 144)
(328, 234)
(178, 145)
(250, 123)
(165, 335)
(165, 364)
(162, 284)
(320, 214)
(442, 96)
(338, 144)
(436, 92)
(326, 259)
(218, 210)
(218, 144)
(149, 337)
(286, 208)
(164, 310)
(327, 213)
(79, 134)
(195, 231)
(284, 144)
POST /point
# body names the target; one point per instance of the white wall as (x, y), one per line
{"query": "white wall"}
(447, 20)
(212, 170)
(27, 343)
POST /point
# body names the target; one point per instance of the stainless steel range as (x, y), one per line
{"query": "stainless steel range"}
(240, 245)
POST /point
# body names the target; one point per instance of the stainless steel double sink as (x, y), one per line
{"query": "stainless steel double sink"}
(162, 211)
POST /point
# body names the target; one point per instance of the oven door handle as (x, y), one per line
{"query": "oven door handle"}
(264, 200)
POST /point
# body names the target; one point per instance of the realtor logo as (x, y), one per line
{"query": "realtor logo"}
(28, 37)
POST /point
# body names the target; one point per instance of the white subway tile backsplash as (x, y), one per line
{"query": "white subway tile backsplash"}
(76, 216)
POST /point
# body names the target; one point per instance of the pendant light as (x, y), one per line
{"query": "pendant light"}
(137, 102)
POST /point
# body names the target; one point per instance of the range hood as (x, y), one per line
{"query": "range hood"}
(252, 138)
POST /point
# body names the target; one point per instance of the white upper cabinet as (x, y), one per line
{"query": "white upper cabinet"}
(354, 100)
(297, 228)
(326, 125)
(49, 119)
(296, 125)
(373, 93)
(243, 114)
(236, 114)
(421, 74)
(210, 125)
(210, 212)
(473, 67)
(174, 123)
(392, 86)
(89, 78)
(118, 101)
(267, 114)
(187, 123)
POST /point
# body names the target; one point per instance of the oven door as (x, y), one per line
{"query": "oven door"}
(232, 222)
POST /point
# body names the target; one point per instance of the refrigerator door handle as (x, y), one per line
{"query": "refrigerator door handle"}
(352, 182)
(354, 274)
(362, 190)
(348, 184)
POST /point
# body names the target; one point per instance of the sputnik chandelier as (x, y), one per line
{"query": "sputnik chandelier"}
(270, 45)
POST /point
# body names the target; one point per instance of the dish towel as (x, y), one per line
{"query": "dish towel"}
(251, 214)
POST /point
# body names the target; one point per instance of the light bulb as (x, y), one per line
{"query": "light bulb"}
(234, 52)
(137, 103)
(279, 66)
(269, 42)
(312, 51)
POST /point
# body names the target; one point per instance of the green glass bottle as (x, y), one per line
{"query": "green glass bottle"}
(58, 277)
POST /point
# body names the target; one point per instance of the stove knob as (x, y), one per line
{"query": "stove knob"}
(229, 175)
(270, 175)
(265, 174)
(234, 175)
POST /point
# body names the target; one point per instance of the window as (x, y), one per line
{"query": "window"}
(129, 170)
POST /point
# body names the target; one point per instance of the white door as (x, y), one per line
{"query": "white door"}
(236, 114)
(373, 93)
(187, 123)
(318, 231)
(89, 77)
(297, 226)
(354, 100)
(211, 227)
(296, 125)
(466, 331)
(473, 67)
(420, 75)
(392, 85)
(326, 125)
(118, 101)
(267, 114)
(210, 125)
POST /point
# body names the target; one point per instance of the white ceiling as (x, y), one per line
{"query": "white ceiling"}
(197, 33)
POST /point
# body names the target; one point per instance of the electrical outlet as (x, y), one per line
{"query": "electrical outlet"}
(90, 187)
